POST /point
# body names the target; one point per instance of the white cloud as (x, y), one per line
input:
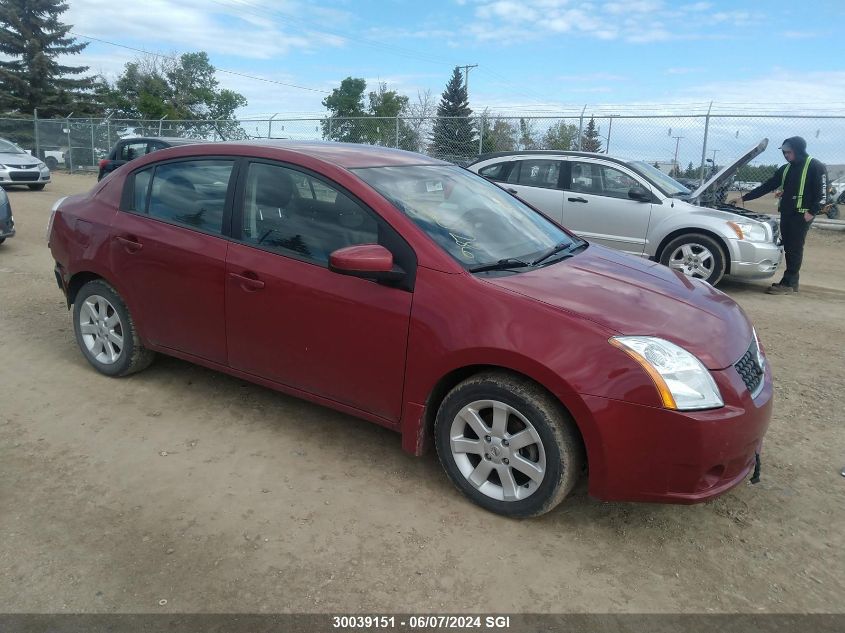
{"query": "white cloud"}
(234, 28)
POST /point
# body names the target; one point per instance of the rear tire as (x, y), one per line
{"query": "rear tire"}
(833, 213)
(37, 187)
(51, 162)
(105, 331)
(696, 255)
(508, 445)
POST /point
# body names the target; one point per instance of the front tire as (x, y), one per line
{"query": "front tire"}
(696, 255)
(105, 331)
(508, 445)
(37, 187)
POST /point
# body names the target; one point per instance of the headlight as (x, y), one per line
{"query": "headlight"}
(681, 380)
(751, 231)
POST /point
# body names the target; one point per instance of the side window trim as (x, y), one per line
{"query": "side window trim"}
(128, 193)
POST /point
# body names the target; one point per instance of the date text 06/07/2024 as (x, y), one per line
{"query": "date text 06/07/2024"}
(420, 622)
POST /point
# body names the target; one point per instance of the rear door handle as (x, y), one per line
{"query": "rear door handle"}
(584, 200)
(131, 243)
(250, 284)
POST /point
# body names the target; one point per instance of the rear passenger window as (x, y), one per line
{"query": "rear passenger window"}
(538, 173)
(292, 213)
(495, 172)
(131, 151)
(191, 193)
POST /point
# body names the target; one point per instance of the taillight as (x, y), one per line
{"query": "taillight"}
(53, 215)
(103, 163)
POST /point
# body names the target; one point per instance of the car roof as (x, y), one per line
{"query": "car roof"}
(346, 155)
(548, 152)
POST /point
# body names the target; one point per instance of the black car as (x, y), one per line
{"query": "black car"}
(7, 223)
(128, 149)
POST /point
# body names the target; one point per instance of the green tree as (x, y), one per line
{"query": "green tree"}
(344, 102)
(591, 141)
(527, 134)
(499, 135)
(33, 39)
(560, 136)
(453, 136)
(182, 88)
(690, 171)
(386, 108)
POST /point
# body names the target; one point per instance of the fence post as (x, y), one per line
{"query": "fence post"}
(330, 128)
(397, 131)
(704, 145)
(480, 134)
(160, 122)
(581, 128)
(270, 125)
(69, 161)
(609, 130)
(35, 129)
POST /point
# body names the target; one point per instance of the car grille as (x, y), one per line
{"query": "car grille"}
(24, 176)
(10, 166)
(749, 369)
(775, 231)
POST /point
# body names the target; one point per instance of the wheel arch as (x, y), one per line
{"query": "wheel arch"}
(570, 402)
(692, 230)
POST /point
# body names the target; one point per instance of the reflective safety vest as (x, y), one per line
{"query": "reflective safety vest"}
(800, 201)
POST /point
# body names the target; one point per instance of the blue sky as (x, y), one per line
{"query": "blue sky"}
(538, 55)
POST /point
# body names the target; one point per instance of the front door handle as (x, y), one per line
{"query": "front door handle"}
(248, 281)
(131, 243)
(584, 200)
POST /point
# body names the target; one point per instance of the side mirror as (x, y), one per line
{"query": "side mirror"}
(639, 194)
(368, 261)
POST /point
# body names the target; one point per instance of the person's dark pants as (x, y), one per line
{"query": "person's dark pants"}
(793, 231)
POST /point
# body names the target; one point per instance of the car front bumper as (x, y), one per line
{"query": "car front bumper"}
(754, 260)
(657, 455)
(24, 176)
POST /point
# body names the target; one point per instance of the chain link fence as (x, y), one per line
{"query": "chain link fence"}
(688, 146)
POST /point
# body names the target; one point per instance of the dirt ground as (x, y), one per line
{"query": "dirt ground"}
(185, 485)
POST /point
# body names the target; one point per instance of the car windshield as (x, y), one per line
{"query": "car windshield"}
(664, 182)
(7, 147)
(473, 220)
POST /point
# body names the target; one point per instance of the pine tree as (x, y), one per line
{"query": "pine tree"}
(33, 37)
(454, 137)
(591, 141)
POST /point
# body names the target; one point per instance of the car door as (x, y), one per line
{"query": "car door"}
(597, 205)
(537, 181)
(167, 245)
(288, 317)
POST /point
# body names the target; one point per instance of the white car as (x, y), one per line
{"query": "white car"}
(634, 207)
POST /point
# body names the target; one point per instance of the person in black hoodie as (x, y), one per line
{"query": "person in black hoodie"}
(803, 185)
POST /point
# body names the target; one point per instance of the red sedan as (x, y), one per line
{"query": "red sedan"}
(413, 293)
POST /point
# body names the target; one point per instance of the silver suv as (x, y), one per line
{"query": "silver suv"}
(634, 207)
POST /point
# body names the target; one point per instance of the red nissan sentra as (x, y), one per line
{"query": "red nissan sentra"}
(415, 294)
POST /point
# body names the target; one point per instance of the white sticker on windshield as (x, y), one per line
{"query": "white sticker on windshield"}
(433, 185)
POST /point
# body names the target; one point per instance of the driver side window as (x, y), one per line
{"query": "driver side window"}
(294, 214)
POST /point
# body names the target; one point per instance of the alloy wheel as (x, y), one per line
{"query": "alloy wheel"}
(101, 330)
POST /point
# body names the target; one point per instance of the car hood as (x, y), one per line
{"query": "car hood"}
(9, 158)
(634, 296)
(718, 180)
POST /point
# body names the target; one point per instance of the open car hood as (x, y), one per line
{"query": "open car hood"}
(720, 178)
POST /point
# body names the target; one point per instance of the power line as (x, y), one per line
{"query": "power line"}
(219, 70)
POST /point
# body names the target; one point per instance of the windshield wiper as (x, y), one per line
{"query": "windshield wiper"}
(502, 264)
(563, 246)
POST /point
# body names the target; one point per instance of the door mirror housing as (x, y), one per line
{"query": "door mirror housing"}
(368, 261)
(639, 194)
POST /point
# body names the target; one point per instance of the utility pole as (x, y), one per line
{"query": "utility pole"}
(466, 77)
(714, 157)
(677, 143)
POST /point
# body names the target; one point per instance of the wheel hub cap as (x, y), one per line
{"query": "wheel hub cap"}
(101, 330)
(498, 450)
